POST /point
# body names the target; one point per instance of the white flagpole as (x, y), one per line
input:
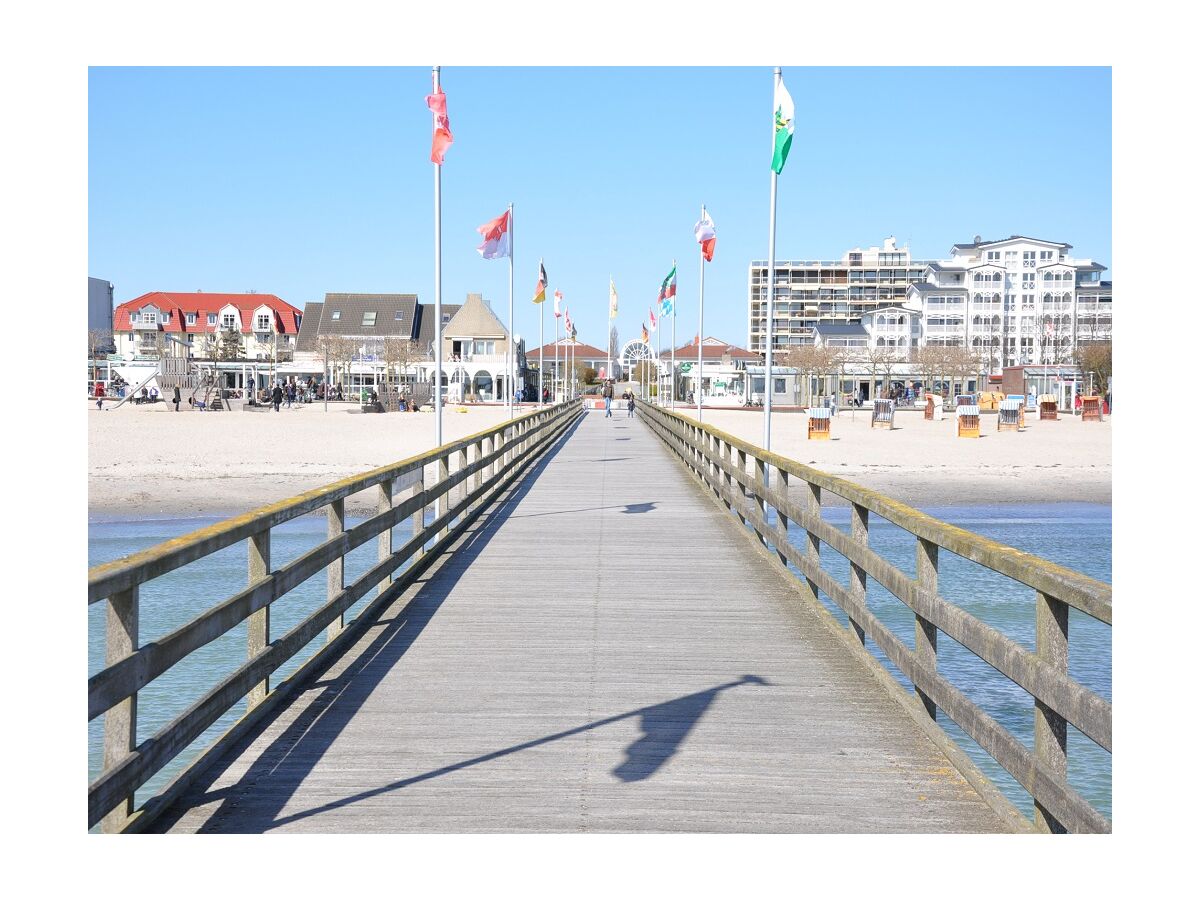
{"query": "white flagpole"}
(512, 347)
(557, 379)
(700, 335)
(437, 288)
(674, 303)
(609, 373)
(770, 291)
(541, 339)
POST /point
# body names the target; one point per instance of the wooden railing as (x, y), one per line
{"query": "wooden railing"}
(480, 466)
(739, 473)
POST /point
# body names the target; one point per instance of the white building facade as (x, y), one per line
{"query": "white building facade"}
(1016, 301)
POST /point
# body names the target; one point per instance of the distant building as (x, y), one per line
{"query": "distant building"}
(160, 323)
(1015, 301)
(558, 356)
(100, 310)
(811, 291)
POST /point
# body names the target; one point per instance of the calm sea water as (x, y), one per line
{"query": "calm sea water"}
(1076, 535)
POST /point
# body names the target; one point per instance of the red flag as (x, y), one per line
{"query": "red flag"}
(442, 138)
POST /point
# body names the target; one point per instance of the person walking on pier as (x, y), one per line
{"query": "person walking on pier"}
(99, 395)
(629, 404)
(608, 398)
(277, 396)
(175, 398)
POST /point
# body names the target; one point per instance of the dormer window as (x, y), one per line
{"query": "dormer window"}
(229, 320)
(166, 317)
(262, 322)
(191, 318)
(135, 317)
(399, 316)
(212, 318)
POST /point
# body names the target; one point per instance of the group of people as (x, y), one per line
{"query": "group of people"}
(607, 392)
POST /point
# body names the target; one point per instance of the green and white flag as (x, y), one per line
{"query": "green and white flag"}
(785, 115)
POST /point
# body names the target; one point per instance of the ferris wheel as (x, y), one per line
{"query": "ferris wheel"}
(635, 352)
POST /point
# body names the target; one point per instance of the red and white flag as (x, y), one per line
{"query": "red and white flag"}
(442, 138)
(496, 242)
(706, 237)
(558, 304)
(653, 321)
(567, 321)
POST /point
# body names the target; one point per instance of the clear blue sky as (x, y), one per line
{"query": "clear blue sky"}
(301, 181)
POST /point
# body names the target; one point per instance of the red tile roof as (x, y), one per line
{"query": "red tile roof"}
(287, 317)
(712, 351)
(581, 351)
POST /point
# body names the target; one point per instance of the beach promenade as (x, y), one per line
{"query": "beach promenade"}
(597, 653)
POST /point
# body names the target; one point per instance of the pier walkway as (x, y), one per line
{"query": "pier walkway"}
(603, 649)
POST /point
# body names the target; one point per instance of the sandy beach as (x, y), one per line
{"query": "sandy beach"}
(145, 461)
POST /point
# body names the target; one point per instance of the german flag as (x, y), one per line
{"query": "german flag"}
(539, 293)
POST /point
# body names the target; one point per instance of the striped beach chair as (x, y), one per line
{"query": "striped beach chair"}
(883, 414)
(967, 421)
(819, 420)
(1010, 414)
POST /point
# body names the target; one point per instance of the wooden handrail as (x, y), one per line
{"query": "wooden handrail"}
(112, 692)
(745, 490)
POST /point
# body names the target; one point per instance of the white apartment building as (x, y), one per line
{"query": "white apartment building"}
(1016, 301)
(812, 291)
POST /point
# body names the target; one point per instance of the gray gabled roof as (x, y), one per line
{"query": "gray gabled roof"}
(306, 339)
(1014, 237)
(926, 287)
(847, 329)
(349, 309)
(428, 322)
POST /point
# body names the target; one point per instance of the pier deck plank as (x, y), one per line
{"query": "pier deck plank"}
(603, 652)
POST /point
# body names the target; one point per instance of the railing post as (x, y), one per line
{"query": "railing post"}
(741, 467)
(258, 626)
(858, 575)
(385, 536)
(727, 459)
(464, 487)
(335, 516)
(782, 486)
(443, 473)
(1049, 728)
(120, 722)
(477, 478)
(810, 500)
(925, 637)
(760, 485)
(418, 516)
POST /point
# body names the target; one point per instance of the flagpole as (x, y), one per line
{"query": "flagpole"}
(437, 287)
(770, 291)
(674, 303)
(609, 341)
(700, 335)
(541, 340)
(557, 368)
(512, 347)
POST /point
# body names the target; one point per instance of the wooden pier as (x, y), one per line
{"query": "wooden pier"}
(588, 640)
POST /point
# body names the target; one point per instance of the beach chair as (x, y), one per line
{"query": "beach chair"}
(819, 420)
(883, 414)
(965, 400)
(968, 421)
(1011, 414)
(933, 407)
(1020, 400)
(1047, 408)
(1091, 409)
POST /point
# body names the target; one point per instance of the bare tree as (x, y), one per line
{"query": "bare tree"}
(398, 354)
(99, 342)
(338, 351)
(1095, 359)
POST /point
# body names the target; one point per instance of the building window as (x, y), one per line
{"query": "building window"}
(399, 316)
(1046, 254)
(780, 385)
(337, 314)
(993, 255)
(229, 320)
(368, 319)
(191, 318)
(135, 317)
(191, 338)
(445, 318)
(263, 322)
(212, 318)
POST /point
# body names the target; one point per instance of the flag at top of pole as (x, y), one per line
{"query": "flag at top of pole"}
(539, 293)
(568, 326)
(442, 138)
(653, 322)
(785, 125)
(558, 304)
(668, 287)
(706, 236)
(496, 243)
(612, 299)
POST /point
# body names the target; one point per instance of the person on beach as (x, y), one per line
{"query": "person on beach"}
(99, 395)
(608, 396)
(175, 398)
(277, 396)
